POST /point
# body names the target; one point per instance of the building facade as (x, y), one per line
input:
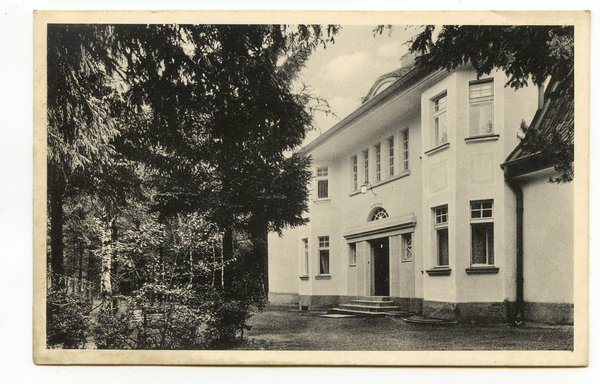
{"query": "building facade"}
(409, 201)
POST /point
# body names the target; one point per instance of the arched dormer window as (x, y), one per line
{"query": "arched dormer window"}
(378, 214)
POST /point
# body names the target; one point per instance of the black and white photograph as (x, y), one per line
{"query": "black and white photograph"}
(246, 189)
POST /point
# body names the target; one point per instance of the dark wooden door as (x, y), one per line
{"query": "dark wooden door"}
(381, 266)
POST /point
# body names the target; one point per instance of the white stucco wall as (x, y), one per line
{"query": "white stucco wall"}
(464, 171)
(548, 240)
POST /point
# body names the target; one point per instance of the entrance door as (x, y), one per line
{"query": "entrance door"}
(381, 266)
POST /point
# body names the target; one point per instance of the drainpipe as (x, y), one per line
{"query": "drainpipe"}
(516, 188)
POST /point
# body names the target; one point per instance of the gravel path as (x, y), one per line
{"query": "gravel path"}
(284, 328)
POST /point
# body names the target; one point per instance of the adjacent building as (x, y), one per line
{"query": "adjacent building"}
(409, 201)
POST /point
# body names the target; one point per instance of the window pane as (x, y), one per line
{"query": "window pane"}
(481, 90)
(490, 242)
(481, 119)
(442, 237)
(354, 173)
(482, 243)
(305, 241)
(323, 189)
(440, 104)
(441, 131)
(378, 162)
(324, 262)
(441, 215)
(324, 241)
(405, 147)
(366, 165)
(407, 247)
(478, 246)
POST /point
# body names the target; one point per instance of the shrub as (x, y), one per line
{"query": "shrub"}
(67, 320)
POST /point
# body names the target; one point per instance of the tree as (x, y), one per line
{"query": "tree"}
(80, 127)
(524, 53)
(222, 115)
(209, 111)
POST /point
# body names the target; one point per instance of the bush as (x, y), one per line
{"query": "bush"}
(67, 320)
(140, 326)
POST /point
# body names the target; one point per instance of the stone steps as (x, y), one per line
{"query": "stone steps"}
(374, 306)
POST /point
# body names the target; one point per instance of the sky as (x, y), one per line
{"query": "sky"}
(343, 72)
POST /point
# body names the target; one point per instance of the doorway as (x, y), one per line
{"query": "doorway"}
(381, 266)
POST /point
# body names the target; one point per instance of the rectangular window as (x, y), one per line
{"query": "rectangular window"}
(441, 232)
(322, 183)
(305, 256)
(323, 255)
(482, 232)
(407, 250)
(405, 149)
(440, 132)
(481, 107)
(391, 154)
(378, 162)
(352, 254)
(354, 173)
(366, 165)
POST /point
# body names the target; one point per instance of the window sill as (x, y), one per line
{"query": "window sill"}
(305, 277)
(321, 201)
(439, 271)
(480, 138)
(352, 265)
(483, 270)
(323, 277)
(437, 149)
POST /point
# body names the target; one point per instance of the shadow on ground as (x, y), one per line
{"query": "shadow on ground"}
(286, 328)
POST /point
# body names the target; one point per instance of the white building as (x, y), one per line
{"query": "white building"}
(409, 201)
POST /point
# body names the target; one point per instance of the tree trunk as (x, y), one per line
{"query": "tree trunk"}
(55, 197)
(114, 264)
(227, 255)
(105, 282)
(260, 235)
(81, 248)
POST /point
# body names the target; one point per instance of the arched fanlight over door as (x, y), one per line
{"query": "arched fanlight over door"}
(378, 214)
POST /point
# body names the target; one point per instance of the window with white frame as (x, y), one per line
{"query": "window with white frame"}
(441, 233)
(440, 127)
(481, 107)
(407, 248)
(323, 183)
(323, 255)
(354, 173)
(378, 162)
(405, 149)
(482, 232)
(352, 254)
(391, 155)
(305, 255)
(378, 214)
(366, 164)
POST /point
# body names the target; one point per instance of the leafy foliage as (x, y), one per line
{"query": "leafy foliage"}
(69, 322)
(522, 52)
(166, 163)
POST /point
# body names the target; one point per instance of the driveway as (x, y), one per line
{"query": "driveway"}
(286, 328)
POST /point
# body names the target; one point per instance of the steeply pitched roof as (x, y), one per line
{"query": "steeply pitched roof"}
(554, 122)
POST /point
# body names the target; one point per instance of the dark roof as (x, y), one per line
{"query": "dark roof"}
(554, 121)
